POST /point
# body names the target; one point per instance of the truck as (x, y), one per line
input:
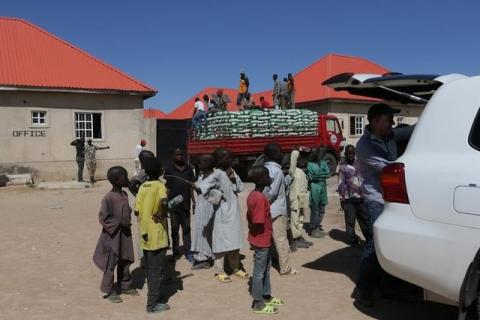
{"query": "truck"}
(329, 139)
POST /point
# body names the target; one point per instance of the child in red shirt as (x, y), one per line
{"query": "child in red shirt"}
(260, 238)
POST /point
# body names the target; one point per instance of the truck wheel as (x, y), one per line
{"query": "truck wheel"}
(332, 163)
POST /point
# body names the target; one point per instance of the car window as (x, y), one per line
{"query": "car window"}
(332, 126)
(474, 138)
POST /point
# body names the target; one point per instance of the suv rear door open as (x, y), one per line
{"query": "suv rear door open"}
(416, 88)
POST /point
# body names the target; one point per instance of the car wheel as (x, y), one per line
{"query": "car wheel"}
(331, 162)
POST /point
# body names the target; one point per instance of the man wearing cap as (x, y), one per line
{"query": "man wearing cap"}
(375, 149)
(91, 158)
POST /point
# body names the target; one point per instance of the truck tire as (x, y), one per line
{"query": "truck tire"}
(331, 160)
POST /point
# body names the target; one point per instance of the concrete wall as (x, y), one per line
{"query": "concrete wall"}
(45, 151)
(343, 110)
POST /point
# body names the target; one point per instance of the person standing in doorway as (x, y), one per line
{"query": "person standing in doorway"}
(180, 217)
(317, 174)
(276, 195)
(91, 158)
(79, 145)
(139, 148)
(375, 149)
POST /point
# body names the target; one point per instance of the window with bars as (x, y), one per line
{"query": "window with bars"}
(356, 125)
(39, 118)
(88, 125)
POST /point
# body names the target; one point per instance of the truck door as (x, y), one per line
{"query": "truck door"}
(334, 132)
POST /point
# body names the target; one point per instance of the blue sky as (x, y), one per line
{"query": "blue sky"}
(180, 47)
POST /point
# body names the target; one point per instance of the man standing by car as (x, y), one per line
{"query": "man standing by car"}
(375, 149)
(181, 216)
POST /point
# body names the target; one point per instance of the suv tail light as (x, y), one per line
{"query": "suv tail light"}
(393, 183)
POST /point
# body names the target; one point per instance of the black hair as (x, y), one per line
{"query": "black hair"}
(208, 158)
(144, 155)
(262, 98)
(350, 146)
(256, 173)
(285, 79)
(174, 151)
(197, 99)
(114, 172)
(271, 151)
(275, 75)
(205, 97)
(153, 168)
(219, 153)
(315, 155)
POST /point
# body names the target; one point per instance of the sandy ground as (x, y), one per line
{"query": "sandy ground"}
(47, 240)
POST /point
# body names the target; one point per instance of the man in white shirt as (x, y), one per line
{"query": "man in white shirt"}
(139, 148)
(199, 113)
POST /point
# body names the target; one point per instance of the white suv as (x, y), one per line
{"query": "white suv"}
(429, 232)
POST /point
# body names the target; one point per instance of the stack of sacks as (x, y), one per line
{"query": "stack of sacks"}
(258, 123)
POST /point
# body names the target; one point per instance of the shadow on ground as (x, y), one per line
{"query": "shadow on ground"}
(346, 261)
(172, 280)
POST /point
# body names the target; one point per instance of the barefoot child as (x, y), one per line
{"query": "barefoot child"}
(115, 247)
(203, 227)
(260, 239)
(151, 209)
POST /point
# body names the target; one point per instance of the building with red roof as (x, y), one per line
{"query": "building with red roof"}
(310, 93)
(51, 93)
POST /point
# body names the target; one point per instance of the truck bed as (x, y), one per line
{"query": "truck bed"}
(246, 146)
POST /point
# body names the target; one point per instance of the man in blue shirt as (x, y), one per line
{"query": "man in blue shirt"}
(375, 150)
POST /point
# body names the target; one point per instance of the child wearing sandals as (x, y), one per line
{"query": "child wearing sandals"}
(260, 239)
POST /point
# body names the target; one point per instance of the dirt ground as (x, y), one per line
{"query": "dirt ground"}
(47, 240)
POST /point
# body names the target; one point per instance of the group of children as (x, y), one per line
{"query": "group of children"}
(218, 232)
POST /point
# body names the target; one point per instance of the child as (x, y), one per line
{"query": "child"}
(351, 198)
(151, 209)
(317, 174)
(115, 246)
(222, 188)
(298, 197)
(260, 238)
(202, 231)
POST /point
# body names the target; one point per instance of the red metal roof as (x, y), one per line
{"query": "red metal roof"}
(32, 57)
(308, 84)
(154, 113)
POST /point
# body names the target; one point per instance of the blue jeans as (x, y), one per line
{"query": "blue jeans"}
(199, 118)
(261, 276)
(316, 216)
(370, 270)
